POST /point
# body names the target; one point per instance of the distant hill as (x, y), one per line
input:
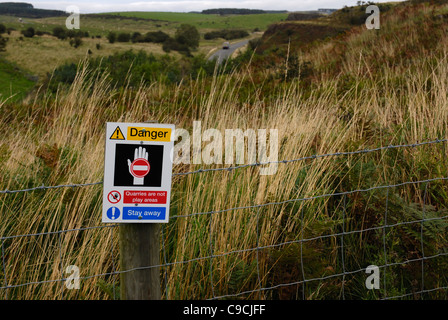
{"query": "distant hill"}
(296, 35)
(302, 28)
(224, 11)
(299, 16)
(26, 10)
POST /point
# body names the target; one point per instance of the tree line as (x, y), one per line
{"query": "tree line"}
(185, 39)
(26, 10)
(226, 34)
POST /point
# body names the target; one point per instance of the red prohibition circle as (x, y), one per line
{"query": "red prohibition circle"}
(140, 168)
(114, 197)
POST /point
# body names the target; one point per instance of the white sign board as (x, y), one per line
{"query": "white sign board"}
(137, 172)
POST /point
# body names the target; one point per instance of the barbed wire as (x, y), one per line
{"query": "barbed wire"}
(340, 275)
(245, 250)
(256, 164)
(310, 198)
(259, 247)
(57, 232)
(43, 187)
(313, 157)
(269, 247)
(242, 207)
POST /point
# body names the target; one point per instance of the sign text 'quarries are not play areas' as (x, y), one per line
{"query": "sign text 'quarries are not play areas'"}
(137, 172)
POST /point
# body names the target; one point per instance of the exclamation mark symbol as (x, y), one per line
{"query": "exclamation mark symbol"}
(117, 135)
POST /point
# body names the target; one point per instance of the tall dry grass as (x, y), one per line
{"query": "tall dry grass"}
(59, 139)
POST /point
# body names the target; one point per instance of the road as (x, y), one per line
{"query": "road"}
(223, 54)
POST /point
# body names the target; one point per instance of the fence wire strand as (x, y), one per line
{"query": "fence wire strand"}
(258, 248)
(256, 164)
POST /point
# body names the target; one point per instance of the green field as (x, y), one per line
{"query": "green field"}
(95, 25)
(40, 55)
(13, 83)
(211, 21)
(150, 21)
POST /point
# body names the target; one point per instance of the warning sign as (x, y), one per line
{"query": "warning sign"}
(117, 135)
(114, 197)
(138, 165)
(144, 197)
(149, 134)
(137, 172)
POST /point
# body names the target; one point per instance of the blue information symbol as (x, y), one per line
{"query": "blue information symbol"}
(113, 213)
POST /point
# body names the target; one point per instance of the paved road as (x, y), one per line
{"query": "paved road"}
(223, 54)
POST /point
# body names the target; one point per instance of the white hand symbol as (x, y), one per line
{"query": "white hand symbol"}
(140, 153)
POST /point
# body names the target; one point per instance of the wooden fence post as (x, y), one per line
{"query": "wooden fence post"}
(139, 250)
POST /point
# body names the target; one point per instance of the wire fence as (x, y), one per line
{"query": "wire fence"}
(419, 226)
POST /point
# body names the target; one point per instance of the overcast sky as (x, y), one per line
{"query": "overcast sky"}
(89, 6)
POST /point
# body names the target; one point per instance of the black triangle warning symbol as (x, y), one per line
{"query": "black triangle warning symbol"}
(117, 135)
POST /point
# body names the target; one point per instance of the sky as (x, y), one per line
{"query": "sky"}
(89, 6)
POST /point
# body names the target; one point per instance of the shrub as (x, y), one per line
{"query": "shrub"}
(2, 28)
(76, 34)
(112, 37)
(156, 37)
(3, 43)
(187, 35)
(143, 67)
(299, 16)
(136, 37)
(59, 33)
(213, 35)
(70, 33)
(172, 44)
(226, 34)
(41, 33)
(123, 37)
(76, 42)
(168, 45)
(235, 34)
(253, 44)
(29, 33)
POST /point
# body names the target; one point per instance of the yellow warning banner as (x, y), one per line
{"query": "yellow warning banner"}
(149, 134)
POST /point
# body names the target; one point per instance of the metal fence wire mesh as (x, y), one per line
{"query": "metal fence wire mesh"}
(324, 252)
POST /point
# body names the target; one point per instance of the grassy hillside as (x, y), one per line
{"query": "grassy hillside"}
(363, 89)
(42, 54)
(296, 35)
(300, 32)
(14, 84)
